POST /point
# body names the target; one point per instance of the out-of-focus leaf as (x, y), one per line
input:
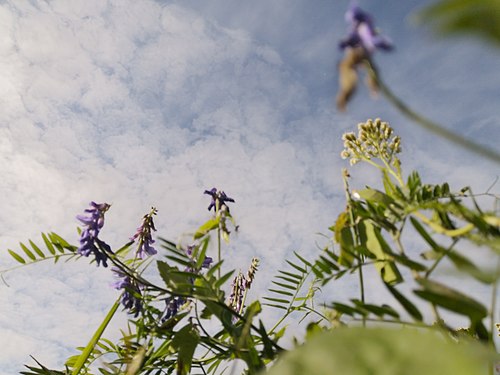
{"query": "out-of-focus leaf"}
(343, 237)
(477, 17)
(207, 227)
(185, 341)
(378, 351)
(406, 303)
(465, 265)
(451, 299)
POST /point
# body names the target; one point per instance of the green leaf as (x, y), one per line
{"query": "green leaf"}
(291, 287)
(346, 309)
(298, 277)
(375, 243)
(298, 268)
(279, 291)
(376, 196)
(37, 249)
(277, 300)
(207, 227)
(16, 256)
(406, 303)
(465, 265)
(27, 251)
(290, 280)
(451, 299)
(185, 342)
(343, 236)
(82, 358)
(379, 351)
(477, 17)
(48, 244)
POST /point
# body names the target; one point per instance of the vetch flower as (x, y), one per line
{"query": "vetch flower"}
(144, 236)
(362, 41)
(93, 221)
(173, 305)
(363, 32)
(131, 298)
(219, 199)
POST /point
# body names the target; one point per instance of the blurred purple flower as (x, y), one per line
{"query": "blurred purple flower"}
(144, 235)
(363, 32)
(93, 221)
(206, 262)
(219, 199)
(131, 298)
(173, 304)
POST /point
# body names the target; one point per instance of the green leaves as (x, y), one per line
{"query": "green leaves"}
(55, 244)
(287, 285)
(451, 299)
(185, 342)
(368, 351)
(376, 244)
(478, 17)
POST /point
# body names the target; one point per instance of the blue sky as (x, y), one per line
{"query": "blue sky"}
(150, 103)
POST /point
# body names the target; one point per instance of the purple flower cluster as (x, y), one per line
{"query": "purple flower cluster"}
(363, 32)
(144, 236)
(206, 262)
(173, 304)
(131, 298)
(93, 221)
(219, 199)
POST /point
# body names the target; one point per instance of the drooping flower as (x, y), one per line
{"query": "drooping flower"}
(144, 235)
(93, 221)
(362, 41)
(173, 305)
(219, 199)
(363, 32)
(131, 298)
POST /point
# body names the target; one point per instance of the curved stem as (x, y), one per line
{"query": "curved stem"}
(428, 124)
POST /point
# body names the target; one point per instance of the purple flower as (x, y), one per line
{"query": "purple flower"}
(363, 32)
(131, 298)
(143, 233)
(206, 262)
(219, 199)
(173, 304)
(93, 221)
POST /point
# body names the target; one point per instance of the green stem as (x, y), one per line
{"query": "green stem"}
(494, 291)
(82, 359)
(428, 124)
(355, 237)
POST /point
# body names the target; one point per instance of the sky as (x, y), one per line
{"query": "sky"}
(149, 103)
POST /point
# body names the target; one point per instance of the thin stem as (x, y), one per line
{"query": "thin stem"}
(345, 176)
(494, 291)
(428, 124)
(441, 256)
(219, 256)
